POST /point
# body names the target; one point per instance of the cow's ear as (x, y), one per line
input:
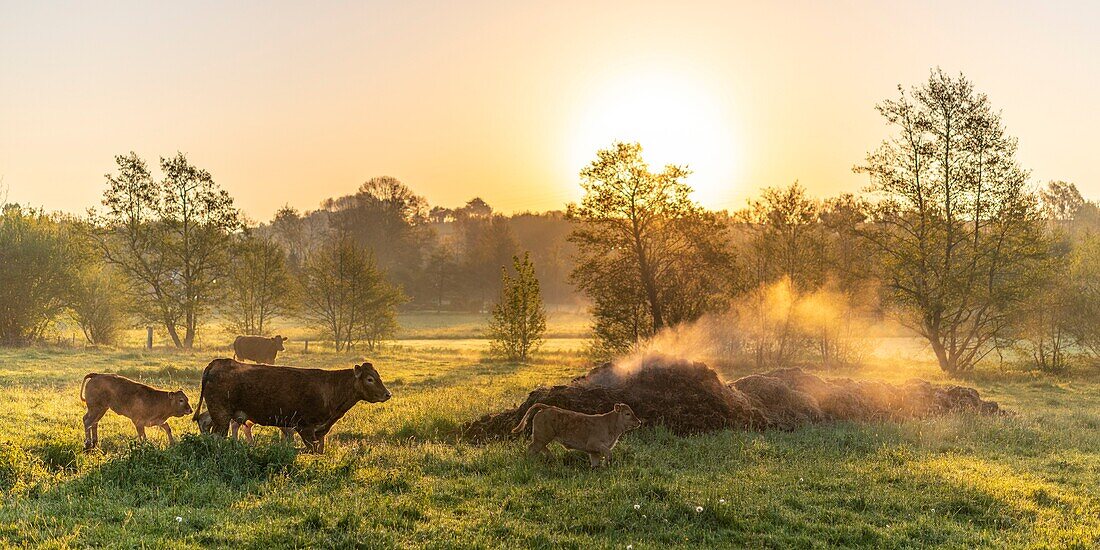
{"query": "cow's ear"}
(358, 371)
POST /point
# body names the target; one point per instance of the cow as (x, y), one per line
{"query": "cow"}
(308, 400)
(143, 405)
(595, 434)
(257, 348)
(206, 425)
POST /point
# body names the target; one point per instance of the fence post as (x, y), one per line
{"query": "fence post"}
(307, 348)
(148, 337)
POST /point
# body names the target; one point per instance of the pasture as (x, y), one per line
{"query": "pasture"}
(395, 475)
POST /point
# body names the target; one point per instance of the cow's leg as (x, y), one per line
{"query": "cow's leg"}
(606, 455)
(594, 458)
(309, 437)
(538, 447)
(219, 422)
(168, 431)
(288, 435)
(247, 429)
(91, 426)
(140, 430)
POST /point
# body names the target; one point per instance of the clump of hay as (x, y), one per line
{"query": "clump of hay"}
(689, 398)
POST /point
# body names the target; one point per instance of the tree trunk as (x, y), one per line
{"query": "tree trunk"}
(171, 328)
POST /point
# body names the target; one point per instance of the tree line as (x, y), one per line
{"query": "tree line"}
(950, 239)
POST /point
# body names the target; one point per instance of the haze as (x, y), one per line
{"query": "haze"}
(290, 103)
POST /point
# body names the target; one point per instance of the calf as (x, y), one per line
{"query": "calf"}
(257, 348)
(206, 425)
(143, 405)
(595, 434)
(308, 400)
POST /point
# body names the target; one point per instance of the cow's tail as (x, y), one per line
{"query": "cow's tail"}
(527, 416)
(84, 383)
(202, 391)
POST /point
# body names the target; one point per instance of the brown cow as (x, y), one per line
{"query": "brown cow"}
(257, 348)
(308, 400)
(595, 434)
(206, 425)
(143, 405)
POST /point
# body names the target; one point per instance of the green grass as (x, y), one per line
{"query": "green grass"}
(395, 476)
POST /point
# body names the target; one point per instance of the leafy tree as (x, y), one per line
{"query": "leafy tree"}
(39, 257)
(1060, 201)
(518, 321)
(98, 302)
(788, 239)
(345, 292)
(389, 219)
(957, 233)
(259, 285)
(169, 238)
(485, 242)
(647, 256)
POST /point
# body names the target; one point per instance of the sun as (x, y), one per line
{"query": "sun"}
(676, 118)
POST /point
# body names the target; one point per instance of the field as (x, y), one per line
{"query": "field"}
(395, 476)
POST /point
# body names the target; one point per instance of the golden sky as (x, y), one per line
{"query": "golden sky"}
(290, 103)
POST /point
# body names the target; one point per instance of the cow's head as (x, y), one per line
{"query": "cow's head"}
(279, 343)
(369, 384)
(627, 419)
(180, 405)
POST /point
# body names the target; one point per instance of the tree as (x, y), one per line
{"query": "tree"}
(485, 242)
(788, 241)
(169, 238)
(259, 285)
(647, 256)
(38, 270)
(391, 221)
(98, 302)
(519, 320)
(1060, 201)
(344, 292)
(957, 232)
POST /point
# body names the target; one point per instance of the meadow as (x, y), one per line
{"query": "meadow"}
(396, 475)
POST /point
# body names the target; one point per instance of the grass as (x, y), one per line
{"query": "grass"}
(395, 476)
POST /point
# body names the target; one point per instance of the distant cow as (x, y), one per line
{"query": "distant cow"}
(257, 348)
(143, 405)
(206, 425)
(308, 400)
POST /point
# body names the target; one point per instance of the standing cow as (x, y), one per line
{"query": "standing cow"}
(257, 348)
(143, 405)
(308, 400)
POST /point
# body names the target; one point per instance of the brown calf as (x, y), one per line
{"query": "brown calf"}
(143, 405)
(595, 434)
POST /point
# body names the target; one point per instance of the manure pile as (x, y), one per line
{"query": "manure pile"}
(689, 398)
